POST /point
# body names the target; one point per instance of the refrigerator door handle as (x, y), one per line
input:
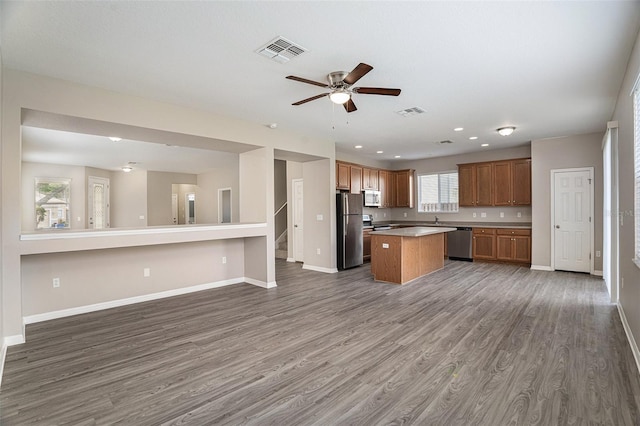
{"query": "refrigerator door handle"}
(346, 204)
(345, 224)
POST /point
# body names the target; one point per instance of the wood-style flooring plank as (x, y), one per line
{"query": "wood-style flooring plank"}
(472, 344)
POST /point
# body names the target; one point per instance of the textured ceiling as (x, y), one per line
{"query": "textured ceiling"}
(549, 68)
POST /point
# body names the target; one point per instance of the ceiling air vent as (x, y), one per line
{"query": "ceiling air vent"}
(411, 111)
(281, 50)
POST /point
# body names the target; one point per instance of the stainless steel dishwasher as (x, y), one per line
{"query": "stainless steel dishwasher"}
(460, 244)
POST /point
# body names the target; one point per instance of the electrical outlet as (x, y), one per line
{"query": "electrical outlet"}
(79, 219)
(224, 259)
(141, 217)
(56, 282)
(519, 214)
(501, 214)
(384, 215)
(483, 214)
(319, 218)
(317, 251)
(475, 214)
(597, 253)
(405, 215)
(385, 245)
(146, 272)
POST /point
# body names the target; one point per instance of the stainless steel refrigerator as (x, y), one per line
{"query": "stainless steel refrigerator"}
(349, 210)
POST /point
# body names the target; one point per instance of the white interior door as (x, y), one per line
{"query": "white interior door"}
(572, 220)
(174, 208)
(298, 223)
(98, 202)
(224, 205)
(190, 208)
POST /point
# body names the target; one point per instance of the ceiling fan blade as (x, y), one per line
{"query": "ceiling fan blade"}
(304, 80)
(349, 106)
(357, 73)
(376, 91)
(313, 98)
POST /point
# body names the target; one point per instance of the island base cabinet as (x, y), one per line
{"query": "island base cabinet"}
(399, 260)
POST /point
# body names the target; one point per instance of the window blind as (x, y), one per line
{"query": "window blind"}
(438, 192)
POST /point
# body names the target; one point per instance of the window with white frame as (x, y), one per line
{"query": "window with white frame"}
(52, 202)
(636, 174)
(438, 192)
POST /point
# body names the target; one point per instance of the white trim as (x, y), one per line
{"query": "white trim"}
(612, 125)
(636, 261)
(3, 356)
(591, 214)
(259, 283)
(320, 269)
(597, 273)
(6, 342)
(630, 339)
(16, 339)
(62, 234)
(220, 212)
(290, 259)
(541, 268)
(31, 319)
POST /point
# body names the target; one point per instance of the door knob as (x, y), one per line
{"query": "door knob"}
(557, 226)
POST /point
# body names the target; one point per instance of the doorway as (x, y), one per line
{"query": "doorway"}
(298, 222)
(610, 218)
(572, 224)
(174, 208)
(190, 208)
(98, 202)
(224, 205)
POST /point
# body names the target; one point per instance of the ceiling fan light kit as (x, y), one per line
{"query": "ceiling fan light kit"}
(340, 83)
(505, 131)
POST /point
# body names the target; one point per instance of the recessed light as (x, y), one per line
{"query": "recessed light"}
(458, 129)
(127, 169)
(396, 156)
(473, 138)
(115, 138)
(358, 146)
(379, 152)
(485, 144)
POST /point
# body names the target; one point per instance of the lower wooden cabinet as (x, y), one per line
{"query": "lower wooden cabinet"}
(502, 244)
(513, 245)
(484, 243)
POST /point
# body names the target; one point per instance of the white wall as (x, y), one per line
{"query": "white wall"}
(24, 90)
(207, 193)
(159, 190)
(629, 295)
(128, 197)
(562, 153)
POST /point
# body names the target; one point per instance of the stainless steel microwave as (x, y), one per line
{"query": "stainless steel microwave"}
(371, 198)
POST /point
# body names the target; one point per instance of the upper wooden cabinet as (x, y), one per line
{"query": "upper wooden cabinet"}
(512, 182)
(369, 178)
(475, 184)
(404, 188)
(348, 177)
(496, 183)
(356, 179)
(343, 176)
(386, 186)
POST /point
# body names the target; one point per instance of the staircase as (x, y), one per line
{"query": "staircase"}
(282, 246)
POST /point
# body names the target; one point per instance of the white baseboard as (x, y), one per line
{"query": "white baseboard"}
(128, 301)
(290, 259)
(3, 356)
(13, 340)
(597, 273)
(263, 284)
(627, 331)
(541, 268)
(320, 269)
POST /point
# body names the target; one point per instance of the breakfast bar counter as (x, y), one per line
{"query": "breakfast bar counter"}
(402, 255)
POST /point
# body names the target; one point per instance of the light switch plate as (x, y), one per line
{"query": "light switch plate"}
(475, 214)
(319, 217)
(483, 214)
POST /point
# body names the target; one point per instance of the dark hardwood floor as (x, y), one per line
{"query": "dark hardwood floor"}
(473, 344)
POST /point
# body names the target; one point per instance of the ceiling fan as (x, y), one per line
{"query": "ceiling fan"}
(340, 83)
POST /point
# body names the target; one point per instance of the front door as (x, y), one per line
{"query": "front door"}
(98, 202)
(572, 220)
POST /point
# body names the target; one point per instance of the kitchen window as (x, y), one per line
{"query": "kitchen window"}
(438, 192)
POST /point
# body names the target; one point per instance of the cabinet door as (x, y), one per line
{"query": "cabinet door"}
(369, 178)
(356, 180)
(504, 247)
(484, 246)
(404, 188)
(389, 193)
(502, 193)
(366, 245)
(484, 184)
(382, 186)
(343, 176)
(466, 185)
(521, 181)
(522, 249)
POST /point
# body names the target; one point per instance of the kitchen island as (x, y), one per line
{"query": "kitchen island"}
(402, 255)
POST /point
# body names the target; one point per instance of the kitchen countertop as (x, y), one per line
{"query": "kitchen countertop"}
(510, 225)
(416, 231)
